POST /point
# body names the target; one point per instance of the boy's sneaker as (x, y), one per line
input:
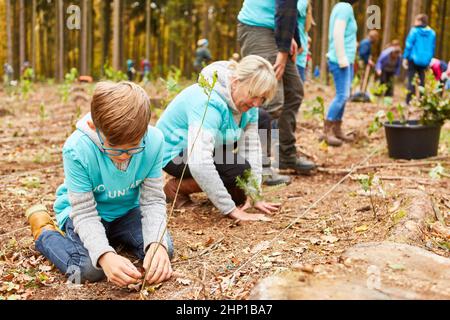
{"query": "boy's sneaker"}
(40, 220)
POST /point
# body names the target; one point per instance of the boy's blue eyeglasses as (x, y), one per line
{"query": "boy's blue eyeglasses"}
(118, 152)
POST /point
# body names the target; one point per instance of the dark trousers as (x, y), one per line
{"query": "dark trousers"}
(265, 136)
(387, 78)
(228, 164)
(286, 104)
(414, 69)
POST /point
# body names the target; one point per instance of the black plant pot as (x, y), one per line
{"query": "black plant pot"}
(412, 140)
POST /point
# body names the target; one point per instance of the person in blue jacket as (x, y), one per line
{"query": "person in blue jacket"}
(389, 65)
(419, 50)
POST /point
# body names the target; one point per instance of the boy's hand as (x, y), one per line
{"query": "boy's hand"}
(160, 268)
(119, 270)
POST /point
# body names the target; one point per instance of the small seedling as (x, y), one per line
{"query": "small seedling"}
(249, 184)
(437, 172)
(368, 182)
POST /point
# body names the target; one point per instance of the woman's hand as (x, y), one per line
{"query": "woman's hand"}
(240, 214)
(119, 270)
(160, 267)
(265, 207)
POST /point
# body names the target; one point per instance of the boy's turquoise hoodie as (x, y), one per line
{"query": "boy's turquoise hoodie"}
(420, 46)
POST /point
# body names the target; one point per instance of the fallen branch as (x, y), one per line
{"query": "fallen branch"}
(383, 165)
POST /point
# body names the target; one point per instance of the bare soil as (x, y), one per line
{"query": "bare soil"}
(215, 258)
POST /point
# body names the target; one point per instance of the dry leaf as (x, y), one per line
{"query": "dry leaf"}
(260, 247)
(329, 239)
(184, 282)
(362, 228)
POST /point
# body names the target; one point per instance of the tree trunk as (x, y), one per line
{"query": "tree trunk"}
(105, 27)
(9, 32)
(416, 9)
(148, 30)
(389, 10)
(84, 36)
(117, 30)
(443, 11)
(366, 5)
(60, 40)
(33, 34)
(22, 35)
(325, 26)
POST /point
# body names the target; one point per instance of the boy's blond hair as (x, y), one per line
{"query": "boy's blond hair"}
(121, 111)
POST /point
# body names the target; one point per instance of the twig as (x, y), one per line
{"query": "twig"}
(12, 232)
(382, 165)
(206, 250)
(418, 180)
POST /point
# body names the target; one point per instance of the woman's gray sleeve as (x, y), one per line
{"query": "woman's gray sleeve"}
(203, 170)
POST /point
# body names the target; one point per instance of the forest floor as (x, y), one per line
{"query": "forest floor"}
(215, 258)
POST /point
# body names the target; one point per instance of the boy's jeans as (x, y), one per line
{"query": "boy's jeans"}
(70, 256)
(343, 78)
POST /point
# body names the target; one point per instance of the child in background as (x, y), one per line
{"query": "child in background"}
(389, 65)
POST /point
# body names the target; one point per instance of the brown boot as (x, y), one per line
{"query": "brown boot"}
(329, 135)
(337, 129)
(187, 187)
(40, 220)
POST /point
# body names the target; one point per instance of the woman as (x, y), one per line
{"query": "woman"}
(209, 131)
(341, 57)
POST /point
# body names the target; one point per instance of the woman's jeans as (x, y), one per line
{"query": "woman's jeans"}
(343, 78)
(69, 255)
(302, 72)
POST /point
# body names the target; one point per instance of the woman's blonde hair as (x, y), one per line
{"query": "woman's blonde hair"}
(258, 75)
(121, 111)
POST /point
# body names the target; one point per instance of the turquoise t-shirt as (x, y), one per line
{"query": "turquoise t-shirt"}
(343, 11)
(258, 13)
(302, 6)
(87, 168)
(188, 108)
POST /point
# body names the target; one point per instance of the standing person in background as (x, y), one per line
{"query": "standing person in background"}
(341, 56)
(304, 16)
(389, 65)
(131, 71)
(202, 55)
(145, 69)
(419, 50)
(269, 29)
(8, 72)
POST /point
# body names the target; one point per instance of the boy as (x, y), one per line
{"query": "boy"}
(419, 50)
(112, 194)
(389, 65)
